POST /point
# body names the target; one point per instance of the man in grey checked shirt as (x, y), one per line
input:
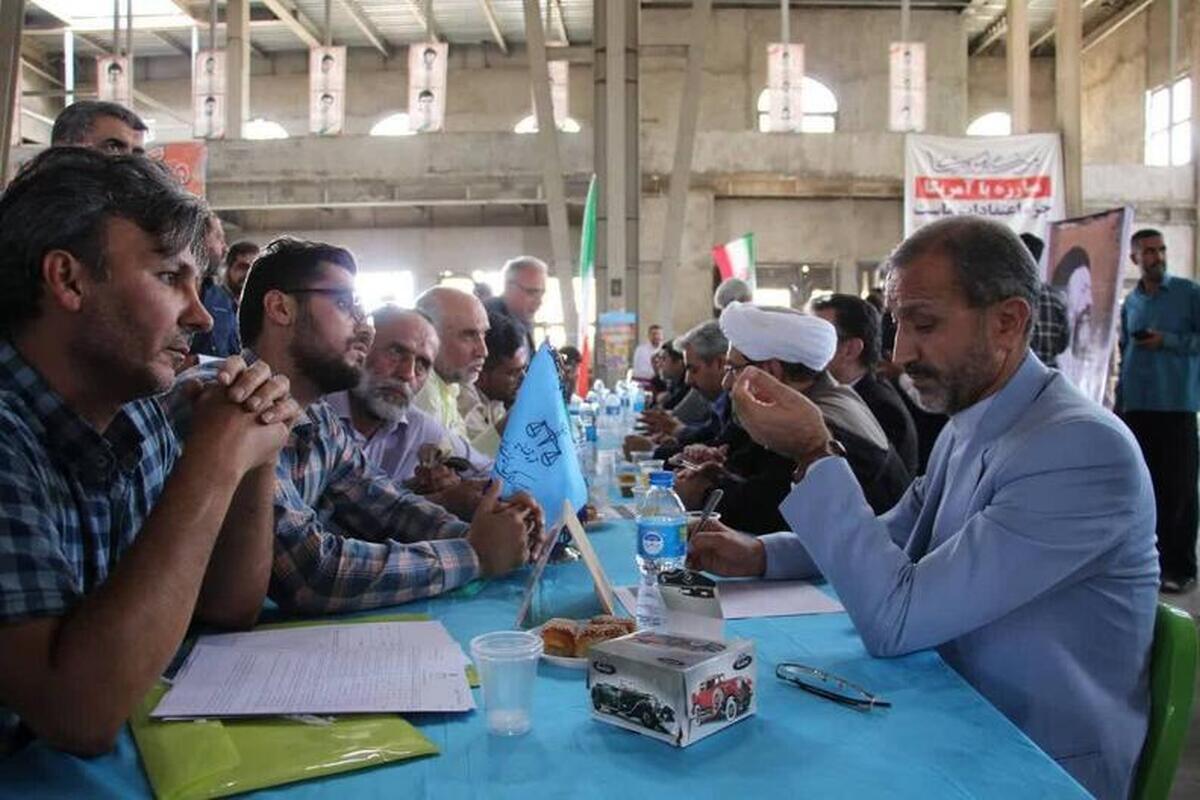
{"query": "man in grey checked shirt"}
(346, 536)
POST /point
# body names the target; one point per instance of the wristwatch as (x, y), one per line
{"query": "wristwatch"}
(832, 447)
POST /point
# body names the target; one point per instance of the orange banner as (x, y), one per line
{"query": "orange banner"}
(187, 160)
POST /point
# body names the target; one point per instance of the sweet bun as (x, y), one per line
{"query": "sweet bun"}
(558, 637)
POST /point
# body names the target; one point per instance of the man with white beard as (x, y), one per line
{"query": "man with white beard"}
(392, 432)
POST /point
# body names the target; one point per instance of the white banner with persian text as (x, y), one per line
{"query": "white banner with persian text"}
(906, 102)
(1016, 180)
(785, 77)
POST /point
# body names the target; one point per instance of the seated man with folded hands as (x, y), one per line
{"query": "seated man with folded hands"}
(114, 533)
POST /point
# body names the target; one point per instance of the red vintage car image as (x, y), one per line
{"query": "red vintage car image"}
(720, 697)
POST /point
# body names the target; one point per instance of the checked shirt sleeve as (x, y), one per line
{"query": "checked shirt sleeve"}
(398, 547)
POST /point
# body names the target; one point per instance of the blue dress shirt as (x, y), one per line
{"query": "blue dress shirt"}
(222, 340)
(1026, 556)
(1166, 379)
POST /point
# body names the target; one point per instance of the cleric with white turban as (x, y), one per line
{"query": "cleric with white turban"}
(762, 333)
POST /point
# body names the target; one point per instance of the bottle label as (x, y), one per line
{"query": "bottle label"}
(662, 539)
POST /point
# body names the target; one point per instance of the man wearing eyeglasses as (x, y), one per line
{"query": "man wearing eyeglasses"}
(796, 348)
(1026, 553)
(347, 537)
(524, 291)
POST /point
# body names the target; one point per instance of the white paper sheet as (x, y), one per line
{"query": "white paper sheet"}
(746, 599)
(749, 599)
(324, 669)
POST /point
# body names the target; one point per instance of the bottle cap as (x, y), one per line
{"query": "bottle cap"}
(664, 478)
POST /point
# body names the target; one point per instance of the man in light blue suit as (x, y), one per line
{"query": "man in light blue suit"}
(1025, 555)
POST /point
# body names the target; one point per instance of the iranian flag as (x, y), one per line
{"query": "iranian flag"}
(587, 264)
(736, 259)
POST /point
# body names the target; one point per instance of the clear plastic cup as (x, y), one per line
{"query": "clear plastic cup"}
(648, 467)
(507, 664)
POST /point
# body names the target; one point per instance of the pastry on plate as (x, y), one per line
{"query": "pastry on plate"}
(558, 637)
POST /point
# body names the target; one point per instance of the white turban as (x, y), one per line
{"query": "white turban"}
(761, 334)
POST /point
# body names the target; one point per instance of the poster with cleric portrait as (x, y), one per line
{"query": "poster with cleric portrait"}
(1085, 257)
(326, 90)
(427, 86)
(113, 81)
(208, 94)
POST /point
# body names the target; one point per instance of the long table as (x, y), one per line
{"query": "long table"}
(940, 738)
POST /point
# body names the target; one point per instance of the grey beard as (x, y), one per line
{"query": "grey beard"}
(377, 406)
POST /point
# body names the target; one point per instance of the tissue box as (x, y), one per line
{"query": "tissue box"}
(671, 687)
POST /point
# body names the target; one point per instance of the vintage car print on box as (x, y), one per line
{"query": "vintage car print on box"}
(674, 688)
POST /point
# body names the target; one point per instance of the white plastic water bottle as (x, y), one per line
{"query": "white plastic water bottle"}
(661, 544)
(625, 392)
(610, 429)
(639, 402)
(587, 450)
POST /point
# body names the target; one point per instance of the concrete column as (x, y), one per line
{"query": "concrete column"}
(615, 73)
(237, 62)
(552, 173)
(1068, 99)
(1018, 64)
(681, 169)
(12, 20)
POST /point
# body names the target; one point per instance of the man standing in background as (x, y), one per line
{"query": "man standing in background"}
(1159, 393)
(524, 291)
(643, 365)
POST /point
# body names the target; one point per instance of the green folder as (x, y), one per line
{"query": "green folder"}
(188, 760)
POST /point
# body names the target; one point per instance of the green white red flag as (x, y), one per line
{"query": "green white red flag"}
(736, 259)
(587, 305)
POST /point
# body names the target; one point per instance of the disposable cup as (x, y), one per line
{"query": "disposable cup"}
(649, 466)
(507, 665)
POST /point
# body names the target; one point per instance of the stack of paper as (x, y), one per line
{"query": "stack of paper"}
(327, 669)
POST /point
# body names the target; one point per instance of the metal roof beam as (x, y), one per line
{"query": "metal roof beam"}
(561, 21)
(367, 27)
(172, 42)
(424, 15)
(296, 22)
(494, 24)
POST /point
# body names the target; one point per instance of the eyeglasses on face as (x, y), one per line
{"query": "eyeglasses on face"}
(345, 300)
(831, 687)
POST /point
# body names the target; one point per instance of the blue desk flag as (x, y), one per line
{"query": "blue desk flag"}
(537, 452)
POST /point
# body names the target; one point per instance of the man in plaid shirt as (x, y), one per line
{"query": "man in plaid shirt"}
(111, 539)
(346, 536)
(1051, 331)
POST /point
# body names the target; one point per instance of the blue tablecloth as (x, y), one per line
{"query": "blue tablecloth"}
(941, 738)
